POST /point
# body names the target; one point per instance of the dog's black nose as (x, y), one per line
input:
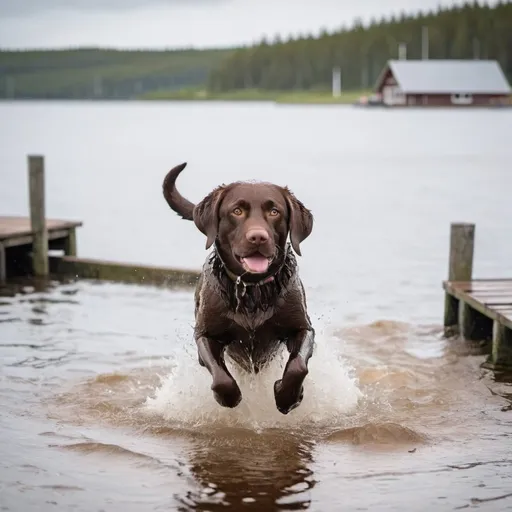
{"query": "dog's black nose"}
(257, 236)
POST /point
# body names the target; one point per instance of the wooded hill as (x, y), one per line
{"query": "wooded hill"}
(99, 73)
(471, 31)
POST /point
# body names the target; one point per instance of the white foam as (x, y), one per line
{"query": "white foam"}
(330, 392)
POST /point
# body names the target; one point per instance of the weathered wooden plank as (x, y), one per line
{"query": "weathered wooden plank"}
(495, 287)
(481, 283)
(456, 287)
(15, 227)
(491, 282)
(505, 283)
(503, 307)
(497, 299)
(486, 291)
(27, 240)
(504, 287)
(502, 297)
(505, 299)
(122, 272)
(499, 291)
(492, 299)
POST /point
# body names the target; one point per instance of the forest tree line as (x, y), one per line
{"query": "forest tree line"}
(471, 31)
(102, 73)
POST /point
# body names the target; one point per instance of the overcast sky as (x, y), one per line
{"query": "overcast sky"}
(178, 23)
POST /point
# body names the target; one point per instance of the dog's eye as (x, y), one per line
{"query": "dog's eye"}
(237, 212)
(274, 212)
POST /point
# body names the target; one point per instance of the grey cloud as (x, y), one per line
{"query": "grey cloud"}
(25, 8)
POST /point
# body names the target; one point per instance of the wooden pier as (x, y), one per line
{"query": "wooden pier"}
(16, 232)
(477, 309)
(28, 246)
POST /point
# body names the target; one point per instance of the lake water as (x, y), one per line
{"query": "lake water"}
(104, 406)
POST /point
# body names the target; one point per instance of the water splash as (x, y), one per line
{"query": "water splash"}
(331, 392)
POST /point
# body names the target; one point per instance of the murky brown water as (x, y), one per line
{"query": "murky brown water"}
(104, 406)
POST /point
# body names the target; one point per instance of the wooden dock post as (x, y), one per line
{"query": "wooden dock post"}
(40, 265)
(501, 355)
(3, 264)
(462, 243)
(70, 243)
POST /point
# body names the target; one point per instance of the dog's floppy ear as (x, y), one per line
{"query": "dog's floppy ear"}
(301, 220)
(206, 215)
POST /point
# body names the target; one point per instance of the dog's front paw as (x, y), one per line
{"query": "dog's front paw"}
(287, 398)
(289, 390)
(226, 391)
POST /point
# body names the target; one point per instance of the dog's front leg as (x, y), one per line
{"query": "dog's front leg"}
(224, 387)
(288, 391)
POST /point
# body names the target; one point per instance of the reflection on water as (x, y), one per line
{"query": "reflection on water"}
(256, 470)
(386, 403)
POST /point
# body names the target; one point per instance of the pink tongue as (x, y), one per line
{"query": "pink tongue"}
(256, 263)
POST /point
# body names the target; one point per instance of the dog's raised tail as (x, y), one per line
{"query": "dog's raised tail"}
(175, 200)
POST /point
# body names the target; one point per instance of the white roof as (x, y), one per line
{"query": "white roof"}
(449, 76)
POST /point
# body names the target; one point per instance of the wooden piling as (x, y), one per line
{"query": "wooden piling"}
(460, 268)
(70, 243)
(40, 263)
(501, 355)
(462, 244)
(473, 325)
(3, 264)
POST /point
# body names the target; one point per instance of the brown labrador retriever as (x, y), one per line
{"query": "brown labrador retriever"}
(249, 298)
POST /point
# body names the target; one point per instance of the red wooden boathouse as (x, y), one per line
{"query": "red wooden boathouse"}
(443, 83)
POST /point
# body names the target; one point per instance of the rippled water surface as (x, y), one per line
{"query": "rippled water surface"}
(104, 406)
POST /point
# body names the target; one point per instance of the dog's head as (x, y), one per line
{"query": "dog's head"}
(251, 222)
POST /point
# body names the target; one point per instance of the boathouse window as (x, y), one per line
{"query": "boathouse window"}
(462, 99)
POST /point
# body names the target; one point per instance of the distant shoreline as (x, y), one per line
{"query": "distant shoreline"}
(244, 95)
(283, 97)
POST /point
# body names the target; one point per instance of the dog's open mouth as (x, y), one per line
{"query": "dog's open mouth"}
(255, 263)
